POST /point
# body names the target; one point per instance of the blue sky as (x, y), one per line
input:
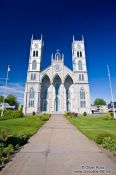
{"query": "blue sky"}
(58, 21)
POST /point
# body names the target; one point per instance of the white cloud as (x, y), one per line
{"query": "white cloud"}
(16, 89)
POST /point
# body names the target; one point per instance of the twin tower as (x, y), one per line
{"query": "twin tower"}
(57, 88)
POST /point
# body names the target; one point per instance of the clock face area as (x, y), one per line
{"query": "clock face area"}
(37, 46)
(57, 68)
(79, 46)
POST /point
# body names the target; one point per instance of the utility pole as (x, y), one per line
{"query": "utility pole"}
(111, 90)
(5, 89)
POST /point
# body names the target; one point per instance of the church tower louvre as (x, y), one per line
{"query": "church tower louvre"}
(32, 87)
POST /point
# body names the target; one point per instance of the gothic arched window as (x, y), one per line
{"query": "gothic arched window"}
(31, 97)
(34, 65)
(34, 77)
(82, 94)
(82, 77)
(79, 77)
(31, 76)
(82, 98)
(34, 53)
(77, 54)
(80, 54)
(80, 65)
(31, 94)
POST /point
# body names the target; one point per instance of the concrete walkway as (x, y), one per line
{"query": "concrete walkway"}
(60, 149)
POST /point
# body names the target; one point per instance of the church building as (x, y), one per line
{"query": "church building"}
(57, 88)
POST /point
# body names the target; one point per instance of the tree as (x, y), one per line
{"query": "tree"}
(1, 98)
(12, 100)
(99, 101)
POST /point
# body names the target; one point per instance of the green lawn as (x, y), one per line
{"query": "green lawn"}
(21, 126)
(92, 126)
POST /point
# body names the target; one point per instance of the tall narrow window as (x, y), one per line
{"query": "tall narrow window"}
(77, 54)
(31, 76)
(82, 94)
(31, 93)
(80, 54)
(34, 65)
(31, 97)
(82, 98)
(79, 77)
(82, 77)
(34, 77)
(80, 65)
(34, 53)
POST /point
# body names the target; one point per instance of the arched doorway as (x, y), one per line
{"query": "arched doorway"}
(45, 93)
(57, 94)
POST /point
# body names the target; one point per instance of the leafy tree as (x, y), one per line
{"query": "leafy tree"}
(99, 101)
(1, 98)
(12, 100)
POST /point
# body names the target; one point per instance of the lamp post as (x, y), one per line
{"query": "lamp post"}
(111, 90)
(5, 89)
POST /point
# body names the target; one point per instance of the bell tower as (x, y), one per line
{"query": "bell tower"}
(78, 55)
(32, 88)
(81, 85)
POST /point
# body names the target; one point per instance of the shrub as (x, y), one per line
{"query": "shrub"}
(9, 114)
(109, 143)
(8, 150)
(17, 140)
(4, 133)
(5, 152)
(107, 117)
(44, 117)
(84, 114)
(99, 138)
(33, 113)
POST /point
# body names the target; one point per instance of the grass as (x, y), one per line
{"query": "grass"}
(21, 126)
(92, 126)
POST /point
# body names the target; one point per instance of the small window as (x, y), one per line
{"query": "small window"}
(80, 54)
(77, 54)
(34, 77)
(34, 65)
(31, 76)
(31, 94)
(83, 104)
(82, 77)
(82, 94)
(31, 97)
(34, 53)
(79, 77)
(80, 65)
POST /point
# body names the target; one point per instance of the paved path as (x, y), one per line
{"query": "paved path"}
(59, 149)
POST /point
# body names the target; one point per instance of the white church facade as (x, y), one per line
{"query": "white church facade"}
(57, 88)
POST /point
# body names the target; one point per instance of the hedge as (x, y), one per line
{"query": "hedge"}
(10, 114)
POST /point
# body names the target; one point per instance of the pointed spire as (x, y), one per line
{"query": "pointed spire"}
(73, 38)
(41, 37)
(52, 57)
(32, 37)
(82, 38)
